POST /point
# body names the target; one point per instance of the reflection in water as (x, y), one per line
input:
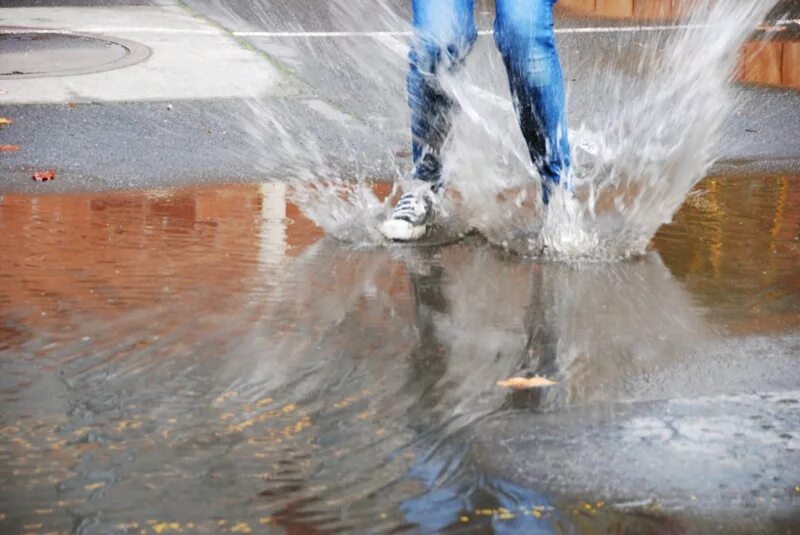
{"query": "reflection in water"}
(205, 360)
(736, 247)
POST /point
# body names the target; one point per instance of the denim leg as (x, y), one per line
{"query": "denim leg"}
(524, 35)
(444, 31)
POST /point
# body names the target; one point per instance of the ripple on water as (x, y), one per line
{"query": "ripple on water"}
(204, 359)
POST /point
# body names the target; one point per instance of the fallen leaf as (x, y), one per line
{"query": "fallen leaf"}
(44, 176)
(523, 383)
(5, 121)
(163, 527)
(72, 105)
(10, 148)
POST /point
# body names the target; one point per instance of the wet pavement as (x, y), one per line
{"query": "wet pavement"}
(194, 357)
(206, 360)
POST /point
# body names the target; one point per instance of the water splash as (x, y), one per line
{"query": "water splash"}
(658, 99)
(659, 138)
(648, 139)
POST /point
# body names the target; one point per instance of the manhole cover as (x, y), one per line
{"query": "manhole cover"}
(28, 54)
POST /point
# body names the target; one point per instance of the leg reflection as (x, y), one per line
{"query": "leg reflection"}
(540, 357)
(429, 359)
(455, 488)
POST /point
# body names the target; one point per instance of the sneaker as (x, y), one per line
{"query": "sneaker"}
(412, 215)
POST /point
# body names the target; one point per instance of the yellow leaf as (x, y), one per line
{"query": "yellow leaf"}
(523, 383)
(226, 396)
(94, 486)
(163, 527)
(5, 121)
(241, 527)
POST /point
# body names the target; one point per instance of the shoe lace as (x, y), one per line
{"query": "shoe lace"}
(406, 207)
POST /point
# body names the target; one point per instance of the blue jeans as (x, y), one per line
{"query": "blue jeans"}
(444, 32)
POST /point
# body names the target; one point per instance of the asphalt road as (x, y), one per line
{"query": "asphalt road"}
(351, 111)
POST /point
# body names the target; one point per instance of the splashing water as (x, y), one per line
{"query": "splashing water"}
(647, 136)
(657, 139)
(648, 139)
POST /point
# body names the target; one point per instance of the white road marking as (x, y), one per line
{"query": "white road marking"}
(590, 30)
(193, 31)
(112, 30)
(324, 34)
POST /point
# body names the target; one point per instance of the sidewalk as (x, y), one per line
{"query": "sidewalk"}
(189, 57)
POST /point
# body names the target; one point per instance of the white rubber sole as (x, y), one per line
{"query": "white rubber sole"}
(399, 230)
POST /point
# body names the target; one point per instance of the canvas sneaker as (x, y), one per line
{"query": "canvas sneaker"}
(412, 215)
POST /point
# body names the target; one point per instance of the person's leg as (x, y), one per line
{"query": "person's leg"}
(524, 35)
(444, 31)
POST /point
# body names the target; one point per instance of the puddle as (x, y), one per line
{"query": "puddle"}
(736, 247)
(206, 360)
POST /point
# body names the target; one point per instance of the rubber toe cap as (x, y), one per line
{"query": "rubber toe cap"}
(399, 230)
